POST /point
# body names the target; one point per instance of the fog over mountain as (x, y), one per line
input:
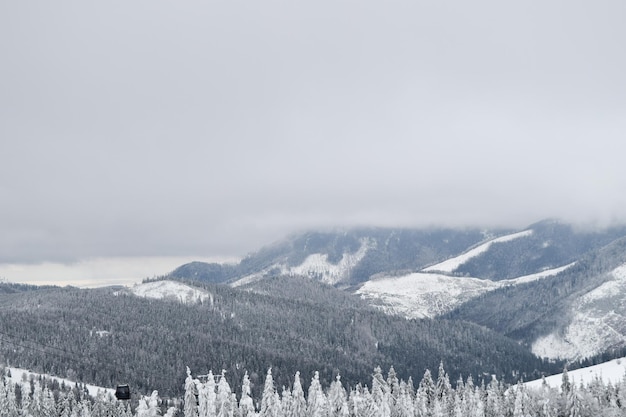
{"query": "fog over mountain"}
(158, 129)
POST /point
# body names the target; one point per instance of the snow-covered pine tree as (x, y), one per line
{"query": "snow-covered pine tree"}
(426, 395)
(224, 406)
(405, 401)
(285, 402)
(317, 405)
(246, 405)
(494, 406)
(191, 395)
(207, 397)
(153, 404)
(337, 399)
(380, 393)
(297, 407)
(269, 407)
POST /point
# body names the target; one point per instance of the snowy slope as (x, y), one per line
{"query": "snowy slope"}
(17, 374)
(171, 290)
(450, 265)
(598, 321)
(611, 371)
(315, 266)
(318, 265)
(420, 294)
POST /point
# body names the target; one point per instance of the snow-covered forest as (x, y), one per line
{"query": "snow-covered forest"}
(385, 396)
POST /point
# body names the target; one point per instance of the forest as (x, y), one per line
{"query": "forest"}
(211, 395)
(107, 336)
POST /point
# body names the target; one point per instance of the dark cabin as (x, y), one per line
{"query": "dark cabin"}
(122, 392)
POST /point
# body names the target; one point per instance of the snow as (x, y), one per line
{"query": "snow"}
(598, 321)
(450, 265)
(420, 294)
(173, 290)
(612, 371)
(318, 265)
(315, 265)
(539, 275)
(17, 375)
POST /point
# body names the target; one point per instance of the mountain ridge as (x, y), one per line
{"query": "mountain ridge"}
(448, 272)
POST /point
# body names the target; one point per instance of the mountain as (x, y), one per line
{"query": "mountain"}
(110, 335)
(555, 287)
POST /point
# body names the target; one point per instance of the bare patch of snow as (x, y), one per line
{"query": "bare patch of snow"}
(17, 374)
(172, 290)
(612, 371)
(539, 275)
(450, 265)
(421, 295)
(317, 265)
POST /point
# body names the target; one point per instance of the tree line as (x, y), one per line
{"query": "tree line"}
(211, 395)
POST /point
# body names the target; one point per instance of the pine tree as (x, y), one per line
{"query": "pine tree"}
(297, 407)
(316, 402)
(394, 392)
(191, 393)
(269, 407)
(426, 393)
(246, 405)
(380, 393)
(153, 405)
(337, 398)
(224, 406)
(207, 397)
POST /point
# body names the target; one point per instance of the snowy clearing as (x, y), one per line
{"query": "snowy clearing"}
(611, 371)
(450, 265)
(420, 295)
(17, 375)
(172, 290)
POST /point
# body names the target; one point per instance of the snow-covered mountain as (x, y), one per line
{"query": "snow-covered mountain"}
(547, 285)
(597, 321)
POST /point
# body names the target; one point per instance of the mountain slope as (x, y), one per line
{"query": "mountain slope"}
(523, 283)
(103, 336)
(577, 308)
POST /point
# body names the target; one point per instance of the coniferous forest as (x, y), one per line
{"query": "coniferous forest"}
(211, 395)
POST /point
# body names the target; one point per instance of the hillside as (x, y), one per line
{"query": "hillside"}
(527, 284)
(149, 342)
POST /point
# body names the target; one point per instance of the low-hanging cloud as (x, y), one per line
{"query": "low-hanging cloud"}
(159, 128)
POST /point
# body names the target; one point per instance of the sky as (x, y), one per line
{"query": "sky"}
(136, 134)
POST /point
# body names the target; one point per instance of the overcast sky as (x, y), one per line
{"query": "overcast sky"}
(151, 129)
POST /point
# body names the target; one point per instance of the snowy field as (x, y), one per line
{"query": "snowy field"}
(611, 371)
(17, 374)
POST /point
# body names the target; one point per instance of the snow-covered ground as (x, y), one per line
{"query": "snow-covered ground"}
(318, 265)
(315, 265)
(172, 290)
(450, 265)
(597, 321)
(421, 294)
(611, 371)
(17, 374)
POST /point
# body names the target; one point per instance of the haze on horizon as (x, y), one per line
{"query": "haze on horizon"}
(155, 129)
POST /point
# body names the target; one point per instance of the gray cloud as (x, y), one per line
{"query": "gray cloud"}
(159, 128)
